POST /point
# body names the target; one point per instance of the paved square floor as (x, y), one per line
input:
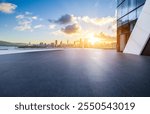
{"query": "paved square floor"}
(73, 73)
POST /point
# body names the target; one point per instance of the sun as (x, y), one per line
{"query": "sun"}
(93, 40)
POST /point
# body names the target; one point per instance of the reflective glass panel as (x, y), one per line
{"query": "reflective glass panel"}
(132, 16)
(140, 2)
(125, 19)
(119, 1)
(139, 10)
(132, 5)
(119, 12)
(124, 8)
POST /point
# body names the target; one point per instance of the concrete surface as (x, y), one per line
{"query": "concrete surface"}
(74, 72)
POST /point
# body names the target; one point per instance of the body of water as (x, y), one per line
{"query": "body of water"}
(8, 47)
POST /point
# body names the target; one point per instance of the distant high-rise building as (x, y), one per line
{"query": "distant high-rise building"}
(67, 42)
(52, 45)
(74, 44)
(56, 43)
(41, 44)
(29, 44)
(81, 43)
(85, 43)
(60, 44)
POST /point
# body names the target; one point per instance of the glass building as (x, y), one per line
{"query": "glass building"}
(128, 12)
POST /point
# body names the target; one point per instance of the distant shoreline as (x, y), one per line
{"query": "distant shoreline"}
(16, 51)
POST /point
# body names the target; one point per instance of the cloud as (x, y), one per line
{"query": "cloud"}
(105, 36)
(25, 22)
(97, 21)
(52, 26)
(85, 26)
(27, 15)
(34, 17)
(106, 25)
(65, 19)
(20, 16)
(71, 29)
(7, 7)
(24, 25)
(38, 26)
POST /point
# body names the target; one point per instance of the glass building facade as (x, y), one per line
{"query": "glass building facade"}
(128, 12)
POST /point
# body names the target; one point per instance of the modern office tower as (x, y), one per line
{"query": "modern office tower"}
(81, 43)
(133, 26)
(56, 43)
(85, 43)
(61, 44)
(67, 42)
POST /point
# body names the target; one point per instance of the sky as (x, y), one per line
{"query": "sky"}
(47, 20)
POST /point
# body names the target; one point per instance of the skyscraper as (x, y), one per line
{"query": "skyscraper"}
(132, 31)
(56, 43)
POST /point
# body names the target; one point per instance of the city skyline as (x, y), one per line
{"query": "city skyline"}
(45, 21)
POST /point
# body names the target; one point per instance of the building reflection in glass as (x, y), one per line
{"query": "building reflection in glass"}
(128, 12)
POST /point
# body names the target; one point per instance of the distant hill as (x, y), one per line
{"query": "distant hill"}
(4, 43)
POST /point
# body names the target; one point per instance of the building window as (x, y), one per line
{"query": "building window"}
(124, 8)
(119, 22)
(132, 16)
(139, 10)
(140, 2)
(119, 12)
(128, 10)
(132, 5)
(125, 19)
(119, 2)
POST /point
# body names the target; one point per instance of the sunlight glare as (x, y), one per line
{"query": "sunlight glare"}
(93, 40)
